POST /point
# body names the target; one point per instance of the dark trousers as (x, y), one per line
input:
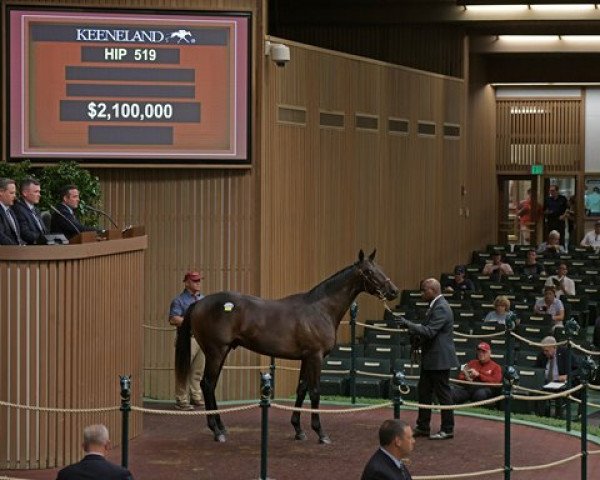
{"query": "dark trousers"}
(461, 394)
(438, 382)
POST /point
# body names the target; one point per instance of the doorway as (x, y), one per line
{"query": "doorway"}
(519, 210)
(567, 224)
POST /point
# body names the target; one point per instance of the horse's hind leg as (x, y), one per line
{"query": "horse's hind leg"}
(212, 370)
(313, 376)
(300, 396)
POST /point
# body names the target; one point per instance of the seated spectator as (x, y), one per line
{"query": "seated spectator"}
(554, 360)
(460, 282)
(552, 248)
(551, 305)
(25, 209)
(94, 466)
(563, 284)
(501, 310)
(532, 268)
(497, 269)
(63, 218)
(482, 370)
(592, 238)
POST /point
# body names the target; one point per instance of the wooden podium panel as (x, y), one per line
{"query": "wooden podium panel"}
(70, 323)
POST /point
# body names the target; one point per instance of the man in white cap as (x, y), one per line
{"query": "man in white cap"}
(189, 393)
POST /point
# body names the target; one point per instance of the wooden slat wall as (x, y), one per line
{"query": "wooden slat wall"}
(68, 329)
(480, 169)
(327, 192)
(539, 131)
(200, 219)
(195, 219)
(427, 47)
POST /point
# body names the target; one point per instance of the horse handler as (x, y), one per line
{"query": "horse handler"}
(188, 393)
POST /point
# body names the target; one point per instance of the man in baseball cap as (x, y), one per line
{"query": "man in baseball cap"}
(189, 393)
(475, 373)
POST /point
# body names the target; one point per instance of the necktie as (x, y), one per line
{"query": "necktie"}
(38, 220)
(551, 367)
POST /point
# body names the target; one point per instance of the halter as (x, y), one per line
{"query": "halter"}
(375, 287)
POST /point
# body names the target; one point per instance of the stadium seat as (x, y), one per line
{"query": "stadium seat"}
(531, 378)
(372, 386)
(345, 351)
(390, 352)
(335, 383)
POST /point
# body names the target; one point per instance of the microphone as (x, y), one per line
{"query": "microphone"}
(97, 210)
(54, 209)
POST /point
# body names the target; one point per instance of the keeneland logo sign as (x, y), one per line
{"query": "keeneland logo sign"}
(132, 36)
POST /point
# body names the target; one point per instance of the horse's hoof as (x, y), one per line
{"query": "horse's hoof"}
(325, 440)
(220, 438)
(300, 436)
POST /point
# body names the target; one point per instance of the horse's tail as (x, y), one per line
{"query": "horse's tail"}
(183, 347)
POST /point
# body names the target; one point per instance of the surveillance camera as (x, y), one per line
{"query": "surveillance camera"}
(280, 54)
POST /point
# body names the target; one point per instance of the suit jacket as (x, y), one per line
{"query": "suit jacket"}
(561, 362)
(70, 228)
(30, 231)
(382, 467)
(437, 337)
(94, 467)
(7, 234)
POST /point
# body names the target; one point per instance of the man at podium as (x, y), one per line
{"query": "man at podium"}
(63, 216)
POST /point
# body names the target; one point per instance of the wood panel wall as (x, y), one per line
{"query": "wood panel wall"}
(68, 328)
(195, 219)
(329, 191)
(539, 131)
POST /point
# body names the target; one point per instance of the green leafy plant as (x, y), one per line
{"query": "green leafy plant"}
(17, 171)
(54, 178)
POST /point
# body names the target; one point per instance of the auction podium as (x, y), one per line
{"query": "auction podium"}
(70, 323)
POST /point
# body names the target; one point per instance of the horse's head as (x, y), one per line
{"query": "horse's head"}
(375, 280)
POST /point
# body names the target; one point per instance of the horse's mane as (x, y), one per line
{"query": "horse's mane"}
(330, 284)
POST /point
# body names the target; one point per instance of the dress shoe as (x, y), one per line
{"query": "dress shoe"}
(183, 406)
(197, 401)
(441, 435)
(417, 432)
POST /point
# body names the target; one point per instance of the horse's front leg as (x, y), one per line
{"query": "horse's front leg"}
(300, 396)
(313, 375)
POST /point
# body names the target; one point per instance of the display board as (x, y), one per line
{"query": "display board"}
(128, 86)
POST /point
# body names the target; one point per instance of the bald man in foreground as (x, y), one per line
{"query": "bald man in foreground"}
(437, 358)
(94, 465)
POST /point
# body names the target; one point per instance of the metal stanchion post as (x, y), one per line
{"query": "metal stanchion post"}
(125, 382)
(509, 326)
(265, 402)
(571, 330)
(353, 314)
(272, 370)
(587, 367)
(510, 376)
(399, 382)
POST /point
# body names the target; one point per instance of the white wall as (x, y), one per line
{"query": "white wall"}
(592, 130)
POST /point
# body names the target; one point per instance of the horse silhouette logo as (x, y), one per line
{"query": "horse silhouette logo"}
(181, 35)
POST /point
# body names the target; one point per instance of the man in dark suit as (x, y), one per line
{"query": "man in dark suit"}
(28, 216)
(396, 441)
(437, 358)
(553, 359)
(10, 233)
(94, 465)
(64, 220)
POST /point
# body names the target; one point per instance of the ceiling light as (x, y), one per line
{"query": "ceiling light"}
(528, 38)
(496, 8)
(581, 38)
(575, 7)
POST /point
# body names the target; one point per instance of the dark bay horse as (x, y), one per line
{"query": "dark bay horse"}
(299, 327)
